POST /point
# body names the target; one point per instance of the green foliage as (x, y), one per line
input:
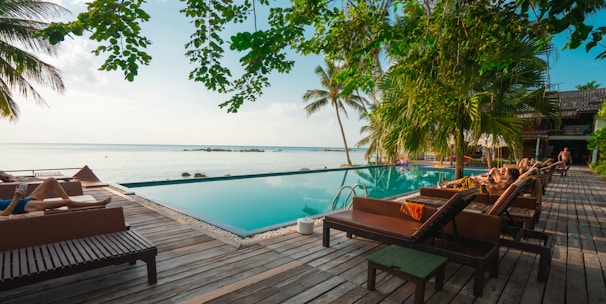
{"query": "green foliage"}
(116, 25)
(599, 168)
(589, 85)
(263, 51)
(556, 16)
(455, 71)
(20, 50)
(357, 32)
(602, 112)
(598, 142)
(334, 96)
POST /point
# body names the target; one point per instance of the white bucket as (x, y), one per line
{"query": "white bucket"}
(305, 225)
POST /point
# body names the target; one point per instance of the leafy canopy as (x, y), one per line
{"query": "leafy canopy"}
(455, 75)
(351, 30)
(589, 85)
(20, 50)
(116, 26)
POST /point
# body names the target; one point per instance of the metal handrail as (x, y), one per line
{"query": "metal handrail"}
(352, 190)
(33, 171)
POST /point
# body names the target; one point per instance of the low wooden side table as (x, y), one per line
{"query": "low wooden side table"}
(414, 265)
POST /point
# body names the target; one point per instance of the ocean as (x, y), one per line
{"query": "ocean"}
(121, 163)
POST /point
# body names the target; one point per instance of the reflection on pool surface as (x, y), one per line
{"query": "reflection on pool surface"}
(247, 205)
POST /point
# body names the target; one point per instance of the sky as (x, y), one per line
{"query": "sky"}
(162, 106)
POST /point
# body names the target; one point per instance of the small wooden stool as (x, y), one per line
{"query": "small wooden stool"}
(414, 265)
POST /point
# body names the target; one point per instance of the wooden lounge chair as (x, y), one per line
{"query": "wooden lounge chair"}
(7, 190)
(524, 209)
(36, 249)
(445, 231)
(88, 178)
(369, 218)
(520, 236)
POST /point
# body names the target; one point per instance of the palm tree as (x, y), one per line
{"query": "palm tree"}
(334, 96)
(474, 78)
(588, 86)
(20, 20)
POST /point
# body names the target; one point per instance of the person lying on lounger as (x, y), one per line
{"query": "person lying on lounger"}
(494, 181)
(35, 201)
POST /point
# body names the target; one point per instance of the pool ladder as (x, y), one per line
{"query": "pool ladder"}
(352, 190)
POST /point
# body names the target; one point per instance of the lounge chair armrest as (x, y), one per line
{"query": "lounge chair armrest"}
(524, 202)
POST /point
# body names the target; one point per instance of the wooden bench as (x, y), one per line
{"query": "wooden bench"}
(416, 266)
(35, 249)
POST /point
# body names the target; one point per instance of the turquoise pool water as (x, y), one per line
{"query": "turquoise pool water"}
(247, 205)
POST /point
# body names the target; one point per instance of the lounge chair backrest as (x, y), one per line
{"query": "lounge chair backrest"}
(530, 172)
(507, 197)
(36, 230)
(88, 178)
(444, 214)
(7, 190)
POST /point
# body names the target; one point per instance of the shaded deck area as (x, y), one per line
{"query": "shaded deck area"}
(194, 267)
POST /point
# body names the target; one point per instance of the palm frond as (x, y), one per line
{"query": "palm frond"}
(20, 20)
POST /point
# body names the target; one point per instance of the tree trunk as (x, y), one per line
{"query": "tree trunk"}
(488, 155)
(342, 134)
(460, 153)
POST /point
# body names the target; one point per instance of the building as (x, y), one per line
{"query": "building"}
(577, 121)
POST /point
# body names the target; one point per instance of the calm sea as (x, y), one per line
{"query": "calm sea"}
(135, 163)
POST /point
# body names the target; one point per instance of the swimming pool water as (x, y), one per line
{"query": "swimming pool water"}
(248, 205)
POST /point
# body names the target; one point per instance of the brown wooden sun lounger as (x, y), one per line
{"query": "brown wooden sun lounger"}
(35, 249)
(520, 236)
(524, 209)
(445, 231)
(88, 178)
(7, 190)
(519, 215)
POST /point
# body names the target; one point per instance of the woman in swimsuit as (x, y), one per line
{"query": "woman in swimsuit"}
(35, 201)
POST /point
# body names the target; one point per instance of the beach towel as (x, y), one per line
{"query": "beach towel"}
(470, 183)
(413, 210)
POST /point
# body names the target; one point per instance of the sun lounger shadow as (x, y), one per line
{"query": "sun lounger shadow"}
(563, 171)
(88, 178)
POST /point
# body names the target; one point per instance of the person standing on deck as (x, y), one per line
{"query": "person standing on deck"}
(565, 157)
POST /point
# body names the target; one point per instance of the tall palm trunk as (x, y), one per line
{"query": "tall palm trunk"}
(460, 153)
(342, 133)
(488, 155)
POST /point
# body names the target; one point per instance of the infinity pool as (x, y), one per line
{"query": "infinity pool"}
(247, 205)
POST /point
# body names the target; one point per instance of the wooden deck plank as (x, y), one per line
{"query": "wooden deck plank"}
(595, 279)
(331, 296)
(576, 290)
(252, 292)
(216, 293)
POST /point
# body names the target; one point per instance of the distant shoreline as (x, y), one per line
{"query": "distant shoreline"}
(225, 150)
(119, 163)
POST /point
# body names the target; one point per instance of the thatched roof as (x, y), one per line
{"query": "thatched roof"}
(574, 103)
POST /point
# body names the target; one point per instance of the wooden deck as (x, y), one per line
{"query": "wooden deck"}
(194, 267)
